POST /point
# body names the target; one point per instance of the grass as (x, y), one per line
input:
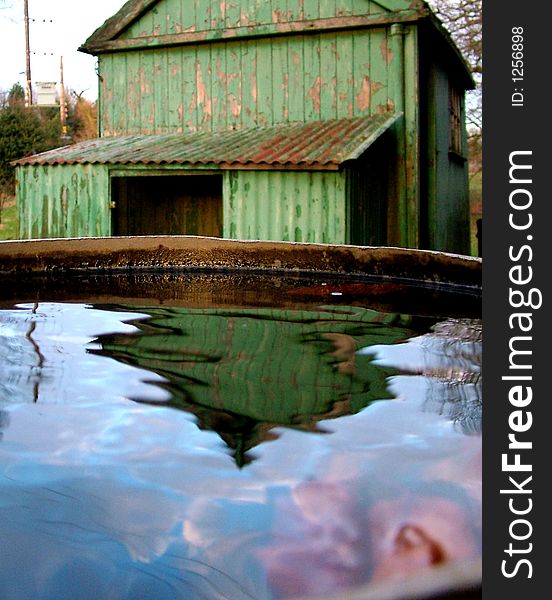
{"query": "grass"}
(8, 220)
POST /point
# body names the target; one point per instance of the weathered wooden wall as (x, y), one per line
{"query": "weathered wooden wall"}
(233, 84)
(448, 216)
(296, 206)
(63, 201)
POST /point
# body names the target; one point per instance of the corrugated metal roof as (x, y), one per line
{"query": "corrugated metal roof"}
(322, 144)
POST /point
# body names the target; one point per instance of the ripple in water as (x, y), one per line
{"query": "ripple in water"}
(169, 452)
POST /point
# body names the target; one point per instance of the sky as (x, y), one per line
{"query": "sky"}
(57, 28)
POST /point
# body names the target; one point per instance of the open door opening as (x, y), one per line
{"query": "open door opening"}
(167, 205)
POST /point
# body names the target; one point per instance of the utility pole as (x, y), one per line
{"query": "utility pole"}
(62, 105)
(28, 55)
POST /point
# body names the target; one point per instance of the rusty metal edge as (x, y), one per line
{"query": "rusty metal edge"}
(195, 253)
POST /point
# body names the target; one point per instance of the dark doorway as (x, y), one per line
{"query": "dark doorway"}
(167, 205)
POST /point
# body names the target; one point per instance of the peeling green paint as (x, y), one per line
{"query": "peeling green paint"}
(170, 17)
(236, 84)
(63, 201)
(265, 205)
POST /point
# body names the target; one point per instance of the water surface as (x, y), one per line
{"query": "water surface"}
(222, 450)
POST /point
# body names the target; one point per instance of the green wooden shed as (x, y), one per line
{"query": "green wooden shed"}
(338, 121)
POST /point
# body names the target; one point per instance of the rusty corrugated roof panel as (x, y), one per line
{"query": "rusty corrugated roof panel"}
(322, 144)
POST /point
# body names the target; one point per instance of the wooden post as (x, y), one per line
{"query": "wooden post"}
(396, 84)
(28, 55)
(62, 106)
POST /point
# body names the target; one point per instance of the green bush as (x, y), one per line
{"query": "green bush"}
(23, 131)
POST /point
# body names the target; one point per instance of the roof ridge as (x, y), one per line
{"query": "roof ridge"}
(125, 16)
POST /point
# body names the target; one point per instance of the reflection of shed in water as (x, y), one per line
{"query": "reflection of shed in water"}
(244, 371)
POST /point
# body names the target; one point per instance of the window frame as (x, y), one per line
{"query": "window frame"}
(456, 123)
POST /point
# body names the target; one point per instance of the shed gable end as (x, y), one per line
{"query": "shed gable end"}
(152, 18)
(182, 16)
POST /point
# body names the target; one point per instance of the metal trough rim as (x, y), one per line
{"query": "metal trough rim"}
(202, 253)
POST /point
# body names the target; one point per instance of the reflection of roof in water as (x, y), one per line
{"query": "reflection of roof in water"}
(243, 371)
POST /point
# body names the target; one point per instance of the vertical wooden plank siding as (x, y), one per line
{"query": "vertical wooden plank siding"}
(280, 82)
(249, 82)
(262, 12)
(397, 223)
(188, 18)
(174, 110)
(134, 89)
(296, 91)
(264, 94)
(328, 77)
(344, 77)
(311, 77)
(204, 105)
(203, 15)
(411, 116)
(448, 200)
(311, 9)
(233, 97)
(159, 23)
(231, 13)
(258, 82)
(176, 16)
(105, 100)
(380, 58)
(188, 98)
(147, 91)
(63, 201)
(344, 8)
(301, 206)
(219, 54)
(326, 8)
(161, 92)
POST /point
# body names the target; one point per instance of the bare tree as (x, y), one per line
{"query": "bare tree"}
(464, 20)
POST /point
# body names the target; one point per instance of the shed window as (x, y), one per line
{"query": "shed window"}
(455, 119)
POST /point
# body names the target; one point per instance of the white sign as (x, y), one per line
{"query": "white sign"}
(46, 93)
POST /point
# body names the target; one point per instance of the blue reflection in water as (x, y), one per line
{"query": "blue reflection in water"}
(106, 497)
